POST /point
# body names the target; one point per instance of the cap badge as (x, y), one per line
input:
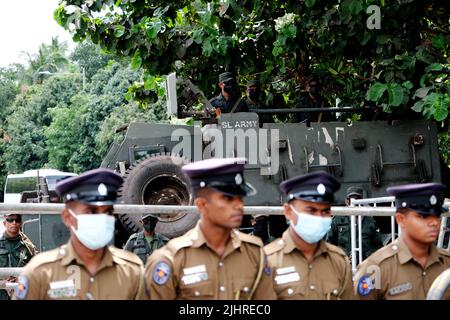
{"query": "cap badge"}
(433, 200)
(321, 189)
(102, 190)
(404, 204)
(202, 184)
(238, 179)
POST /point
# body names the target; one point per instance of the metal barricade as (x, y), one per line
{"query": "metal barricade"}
(356, 208)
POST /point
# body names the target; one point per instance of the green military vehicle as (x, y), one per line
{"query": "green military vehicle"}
(369, 154)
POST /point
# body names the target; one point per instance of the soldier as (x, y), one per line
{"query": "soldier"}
(86, 267)
(339, 233)
(229, 99)
(143, 243)
(254, 101)
(213, 260)
(16, 249)
(313, 99)
(304, 265)
(406, 268)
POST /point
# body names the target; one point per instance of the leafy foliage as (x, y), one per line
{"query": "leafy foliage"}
(282, 42)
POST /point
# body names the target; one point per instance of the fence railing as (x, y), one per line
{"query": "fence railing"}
(357, 209)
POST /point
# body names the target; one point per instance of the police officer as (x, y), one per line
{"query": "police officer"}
(143, 243)
(304, 265)
(86, 267)
(213, 260)
(406, 268)
(16, 249)
(339, 233)
(229, 99)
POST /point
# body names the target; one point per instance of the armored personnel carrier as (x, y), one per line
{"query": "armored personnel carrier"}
(372, 155)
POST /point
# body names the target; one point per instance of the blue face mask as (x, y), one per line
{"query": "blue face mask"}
(94, 231)
(311, 228)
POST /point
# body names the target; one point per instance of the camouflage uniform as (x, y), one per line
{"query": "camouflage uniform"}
(143, 247)
(339, 235)
(226, 106)
(15, 253)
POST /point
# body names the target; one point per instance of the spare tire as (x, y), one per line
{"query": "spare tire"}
(158, 180)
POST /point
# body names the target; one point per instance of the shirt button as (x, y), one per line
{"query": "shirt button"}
(91, 279)
(335, 292)
(196, 293)
(222, 289)
(310, 266)
(312, 287)
(290, 291)
(246, 289)
(394, 247)
(424, 273)
(280, 242)
(62, 251)
(220, 264)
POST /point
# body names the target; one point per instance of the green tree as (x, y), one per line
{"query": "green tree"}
(90, 58)
(400, 66)
(49, 60)
(71, 134)
(25, 141)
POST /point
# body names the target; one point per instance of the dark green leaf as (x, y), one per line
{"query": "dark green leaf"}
(136, 60)
(375, 91)
(396, 94)
(310, 3)
(119, 31)
(434, 67)
(408, 85)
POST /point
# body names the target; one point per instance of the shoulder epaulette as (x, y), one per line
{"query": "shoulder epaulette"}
(249, 238)
(274, 246)
(125, 255)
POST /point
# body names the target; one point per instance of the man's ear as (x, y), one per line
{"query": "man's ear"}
(65, 217)
(400, 218)
(201, 202)
(288, 211)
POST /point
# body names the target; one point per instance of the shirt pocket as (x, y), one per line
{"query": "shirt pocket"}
(291, 291)
(331, 289)
(201, 291)
(241, 288)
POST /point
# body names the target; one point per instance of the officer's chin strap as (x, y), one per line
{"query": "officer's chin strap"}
(258, 277)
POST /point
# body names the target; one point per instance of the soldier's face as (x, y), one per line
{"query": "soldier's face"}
(423, 229)
(221, 209)
(12, 224)
(308, 207)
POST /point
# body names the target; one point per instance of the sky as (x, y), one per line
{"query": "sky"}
(24, 25)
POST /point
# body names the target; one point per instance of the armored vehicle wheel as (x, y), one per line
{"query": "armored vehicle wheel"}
(158, 180)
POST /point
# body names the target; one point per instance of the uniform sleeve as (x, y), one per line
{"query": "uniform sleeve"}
(29, 285)
(265, 289)
(140, 294)
(129, 245)
(159, 279)
(364, 283)
(348, 293)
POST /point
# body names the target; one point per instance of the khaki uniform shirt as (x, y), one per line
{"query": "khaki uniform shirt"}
(187, 268)
(391, 273)
(61, 274)
(328, 276)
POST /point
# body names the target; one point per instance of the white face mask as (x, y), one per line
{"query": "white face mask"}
(94, 231)
(311, 228)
